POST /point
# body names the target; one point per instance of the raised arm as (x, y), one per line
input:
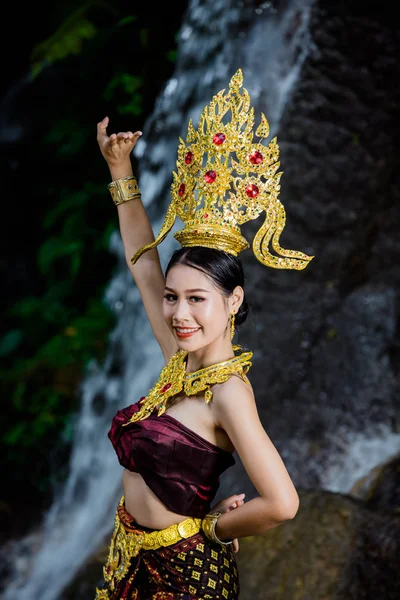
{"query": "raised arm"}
(136, 231)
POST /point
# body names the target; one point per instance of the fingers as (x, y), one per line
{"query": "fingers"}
(230, 503)
(126, 138)
(235, 505)
(131, 137)
(102, 128)
(236, 501)
(112, 140)
(235, 545)
(122, 138)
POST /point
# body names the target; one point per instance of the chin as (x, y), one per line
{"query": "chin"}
(190, 345)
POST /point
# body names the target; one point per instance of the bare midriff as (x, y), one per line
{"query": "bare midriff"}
(143, 504)
(140, 500)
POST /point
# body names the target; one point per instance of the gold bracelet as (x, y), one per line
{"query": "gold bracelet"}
(208, 525)
(124, 190)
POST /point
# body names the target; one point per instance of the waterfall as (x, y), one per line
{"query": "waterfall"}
(359, 456)
(217, 37)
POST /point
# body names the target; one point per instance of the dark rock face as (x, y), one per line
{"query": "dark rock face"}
(380, 489)
(327, 337)
(327, 360)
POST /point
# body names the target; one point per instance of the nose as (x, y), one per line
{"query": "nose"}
(181, 311)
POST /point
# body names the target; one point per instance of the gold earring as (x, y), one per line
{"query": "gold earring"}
(232, 325)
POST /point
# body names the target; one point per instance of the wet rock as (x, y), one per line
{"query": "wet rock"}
(335, 548)
(380, 488)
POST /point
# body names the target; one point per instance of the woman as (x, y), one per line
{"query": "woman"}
(175, 442)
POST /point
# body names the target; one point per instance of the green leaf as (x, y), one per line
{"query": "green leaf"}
(127, 20)
(132, 108)
(15, 435)
(18, 396)
(63, 206)
(26, 307)
(68, 39)
(124, 82)
(53, 249)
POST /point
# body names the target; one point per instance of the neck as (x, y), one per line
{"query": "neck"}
(206, 356)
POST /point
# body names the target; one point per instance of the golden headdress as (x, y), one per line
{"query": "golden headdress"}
(224, 179)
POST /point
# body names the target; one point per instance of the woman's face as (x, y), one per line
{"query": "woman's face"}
(194, 309)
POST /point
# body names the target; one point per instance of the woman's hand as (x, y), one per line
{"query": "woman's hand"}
(228, 504)
(117, 147)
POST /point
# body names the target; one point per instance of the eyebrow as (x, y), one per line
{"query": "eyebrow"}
(191, 291)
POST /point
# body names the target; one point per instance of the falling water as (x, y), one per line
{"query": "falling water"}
(270, 46)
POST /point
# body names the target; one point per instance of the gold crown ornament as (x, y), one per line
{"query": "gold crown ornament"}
(225, 179)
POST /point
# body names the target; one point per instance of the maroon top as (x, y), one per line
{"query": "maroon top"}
(179, 466)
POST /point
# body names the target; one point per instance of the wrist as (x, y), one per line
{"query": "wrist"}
(120, 170)
(219, 530)
(209, 526)
(124, 190)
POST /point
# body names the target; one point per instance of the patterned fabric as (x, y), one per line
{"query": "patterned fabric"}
(163, 451)
(188, 570)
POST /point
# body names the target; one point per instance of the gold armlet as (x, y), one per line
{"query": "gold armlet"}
(208, 525)
(124, 189)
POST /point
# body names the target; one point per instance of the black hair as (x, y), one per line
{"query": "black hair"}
(224, 269)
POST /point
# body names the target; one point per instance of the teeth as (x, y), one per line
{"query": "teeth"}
(185, 330)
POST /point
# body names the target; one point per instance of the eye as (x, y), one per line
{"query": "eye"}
(196, 299)
(169, 297)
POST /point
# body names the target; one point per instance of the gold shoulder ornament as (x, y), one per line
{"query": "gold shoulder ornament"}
(174, 379)
(225, 179)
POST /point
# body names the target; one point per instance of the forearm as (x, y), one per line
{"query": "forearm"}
(135, 227)
(251, 518)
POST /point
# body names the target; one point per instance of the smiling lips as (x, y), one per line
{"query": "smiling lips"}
(185, 332)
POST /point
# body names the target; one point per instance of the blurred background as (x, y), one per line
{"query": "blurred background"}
(75, 344)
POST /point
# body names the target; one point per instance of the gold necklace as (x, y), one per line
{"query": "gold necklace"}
(174, 379)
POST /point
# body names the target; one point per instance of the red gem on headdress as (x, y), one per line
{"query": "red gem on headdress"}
(256, 157)
(195, 231)
(206, 216)
(181, 189)
(188, 157)
(210, 176)
(219, 138)
(166, 387)
(252, 190)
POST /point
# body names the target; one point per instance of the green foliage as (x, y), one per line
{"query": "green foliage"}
(131, 86)
(67, 39)
(104, 61)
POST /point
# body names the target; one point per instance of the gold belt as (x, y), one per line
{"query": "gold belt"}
(127, 542)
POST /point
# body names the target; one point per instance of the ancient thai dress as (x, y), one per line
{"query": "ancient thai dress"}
(183, 470)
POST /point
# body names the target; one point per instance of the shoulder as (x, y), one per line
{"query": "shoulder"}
(232, 398)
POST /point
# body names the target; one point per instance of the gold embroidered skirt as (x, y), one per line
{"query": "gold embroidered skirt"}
(178, 562)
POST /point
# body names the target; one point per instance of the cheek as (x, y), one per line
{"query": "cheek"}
(213, 314)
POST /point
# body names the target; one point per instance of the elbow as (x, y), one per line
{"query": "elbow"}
(287, 509)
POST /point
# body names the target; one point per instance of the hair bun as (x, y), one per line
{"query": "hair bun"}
(242, 313)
